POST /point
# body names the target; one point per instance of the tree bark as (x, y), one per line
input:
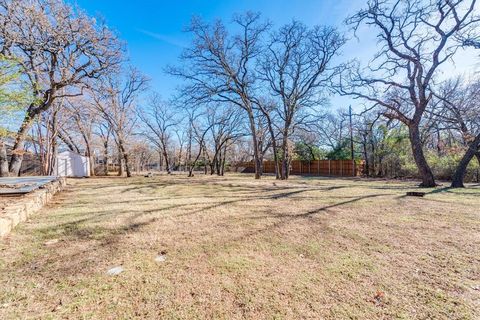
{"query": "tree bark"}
(126, 161)
(105, 158)
(365, 156)
(275, 150)
(68, 141)
(256, 152)
(3, 160)
(189, 149)
(428, 180)
(285, 156)
(457, 179)
(120, 166)
(165, 156)
(18, 147)
(222, 172)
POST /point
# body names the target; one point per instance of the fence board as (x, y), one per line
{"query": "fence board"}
(337, 168)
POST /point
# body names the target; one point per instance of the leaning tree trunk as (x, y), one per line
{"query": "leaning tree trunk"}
(3, 160)
(457, 179)
(18, 147)
(428, 180)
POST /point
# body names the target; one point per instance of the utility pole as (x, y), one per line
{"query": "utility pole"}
(352, 153)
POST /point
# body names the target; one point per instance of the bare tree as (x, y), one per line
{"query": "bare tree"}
(364, 127)
(416, 38)
(116, 102)
(104, 131)
(47, 130)
(58, 49)
(226, 128)
(297, 67)
(182, 138)
(219, 67)
(160, 120)
(199, 134)
(266, 108)
(332, 129)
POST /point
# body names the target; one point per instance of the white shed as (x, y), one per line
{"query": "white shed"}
(71, 164)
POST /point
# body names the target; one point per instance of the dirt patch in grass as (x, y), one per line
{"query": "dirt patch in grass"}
(237, 248)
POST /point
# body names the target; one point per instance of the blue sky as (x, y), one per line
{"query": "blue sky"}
(154, 36)
(153, 29)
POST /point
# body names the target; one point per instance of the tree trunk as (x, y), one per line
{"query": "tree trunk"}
(212, 167)
(105, 158)
(285, 158)
(457, 179)
(194, 163)
(52, 159)
(121, 165)
(165, 156)
(91, 160)
(256, 152)
(68, 141)
(428, 180)
(189, 149)
(3, 160)
(121, 162)
(126, 162)
(372, 144)
(127, 165)
(477, 155)
(274, 148)
(365, 156)
(222, 171)
(18, 147)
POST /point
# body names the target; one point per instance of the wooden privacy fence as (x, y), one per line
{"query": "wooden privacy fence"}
(338, 168)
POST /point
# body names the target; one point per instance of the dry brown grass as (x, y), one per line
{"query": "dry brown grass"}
(244, 249)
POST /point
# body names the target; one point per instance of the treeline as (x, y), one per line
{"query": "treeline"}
(250, 91)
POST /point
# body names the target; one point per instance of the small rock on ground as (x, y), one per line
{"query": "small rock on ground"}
(160, 258)
(50, 242)
(115, 271)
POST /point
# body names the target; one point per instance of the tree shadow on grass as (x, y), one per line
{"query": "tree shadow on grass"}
(72, 229)
(109, 240)
(284, 219)
(457, 191)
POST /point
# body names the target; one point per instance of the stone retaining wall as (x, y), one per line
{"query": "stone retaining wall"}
(18, 208)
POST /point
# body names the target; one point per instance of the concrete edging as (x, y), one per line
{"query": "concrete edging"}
(24, 206)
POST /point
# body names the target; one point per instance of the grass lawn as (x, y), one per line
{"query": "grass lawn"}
(236, 248)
